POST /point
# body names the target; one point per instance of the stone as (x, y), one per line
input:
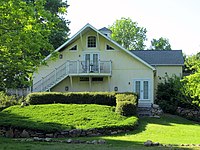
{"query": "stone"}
(114, 132)
(94, 142)
(50, 135)
(156, 116)
(37, 139)
(88, 142)
(9, 133)
(101, 141)
(48, 139)
(148, 143)
(69, 141)
(155, 106)
(156, 144)
(24, 134)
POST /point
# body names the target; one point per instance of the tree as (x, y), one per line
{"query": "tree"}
(192, 81)
(160, 44)
(24, 36)
(128, 34)
(192, 63)
(59, 34)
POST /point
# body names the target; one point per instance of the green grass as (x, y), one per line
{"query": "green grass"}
(54, 117)
(167, 130)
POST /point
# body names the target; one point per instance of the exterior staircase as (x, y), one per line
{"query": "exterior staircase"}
(53, 78)
(72, 68)
(144, 110)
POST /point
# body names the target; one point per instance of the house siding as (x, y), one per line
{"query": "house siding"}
(125, 68)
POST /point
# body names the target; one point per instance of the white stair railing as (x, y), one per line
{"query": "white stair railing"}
(51, 79)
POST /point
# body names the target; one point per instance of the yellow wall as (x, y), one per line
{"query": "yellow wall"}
(125, 68)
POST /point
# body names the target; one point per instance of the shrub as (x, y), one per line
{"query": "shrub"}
(102, 98)
(171, 94)
(126, 104)
(6, 101)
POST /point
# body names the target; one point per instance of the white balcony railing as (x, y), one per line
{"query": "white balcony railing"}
(83, 67)
(73, 68)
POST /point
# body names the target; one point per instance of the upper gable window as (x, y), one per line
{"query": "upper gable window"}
(91, 43)
(108, 47)
(74, 48)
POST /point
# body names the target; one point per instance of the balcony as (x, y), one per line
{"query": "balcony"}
(102, 68)
(73, 68)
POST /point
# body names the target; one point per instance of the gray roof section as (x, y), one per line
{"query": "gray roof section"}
(160, 57)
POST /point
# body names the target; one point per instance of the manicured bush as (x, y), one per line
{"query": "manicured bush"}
(6, 101)
(102, 98)
(126, 104)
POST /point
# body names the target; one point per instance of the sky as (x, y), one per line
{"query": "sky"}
(176, 20)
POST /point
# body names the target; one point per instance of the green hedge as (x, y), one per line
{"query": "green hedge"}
(102, 98)
(126, 104)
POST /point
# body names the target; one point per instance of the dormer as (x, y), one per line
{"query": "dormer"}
(106, 31)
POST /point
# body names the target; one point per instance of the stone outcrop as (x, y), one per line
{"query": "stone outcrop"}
(25, 133)
(151, 111)
(188, 113)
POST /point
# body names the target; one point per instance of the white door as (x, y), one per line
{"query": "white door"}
(142, 88)
(92, 62)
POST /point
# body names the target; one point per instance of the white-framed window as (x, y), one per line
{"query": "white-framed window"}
(91, 62)
(74, 48)
(108, 47)
(142, 88)
(91, 41)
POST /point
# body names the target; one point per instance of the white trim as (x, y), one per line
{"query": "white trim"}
(109, 49)
(106, 37)
(87, 42)
(142, 88)
(167, 64)
(72, 47)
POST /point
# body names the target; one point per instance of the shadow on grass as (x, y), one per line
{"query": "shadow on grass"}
(21, 122)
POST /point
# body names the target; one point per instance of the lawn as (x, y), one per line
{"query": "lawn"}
(52, 117)
(167, 130)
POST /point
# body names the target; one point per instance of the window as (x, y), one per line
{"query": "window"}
(84, 78)
(108, 47)
(97, 79)
(91, 42)
(74, 48)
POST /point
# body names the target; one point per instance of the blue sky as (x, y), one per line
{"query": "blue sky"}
(177, 20)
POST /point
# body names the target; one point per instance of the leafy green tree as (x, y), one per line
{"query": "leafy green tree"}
(192, 63)
(128, 34)
(160, 44)
(192, 81)
(59, 34)
(24, 36)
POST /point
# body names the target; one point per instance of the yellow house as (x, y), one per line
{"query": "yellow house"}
(91, 61)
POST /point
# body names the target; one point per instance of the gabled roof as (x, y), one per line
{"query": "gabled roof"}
(88, 27)
(160, 57)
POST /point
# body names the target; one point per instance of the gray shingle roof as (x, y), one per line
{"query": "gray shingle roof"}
(160, 57)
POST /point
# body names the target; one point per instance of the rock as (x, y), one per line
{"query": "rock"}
(101, 141)
(156, 116)
(24, 134)
(37, 139)
(155, 106)
(9, 133)
(47, 139)
(50, 135)
(69, 141)
(88, 142)
(148, 143)
(94, 142)
(156, 144)
(114, 132)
